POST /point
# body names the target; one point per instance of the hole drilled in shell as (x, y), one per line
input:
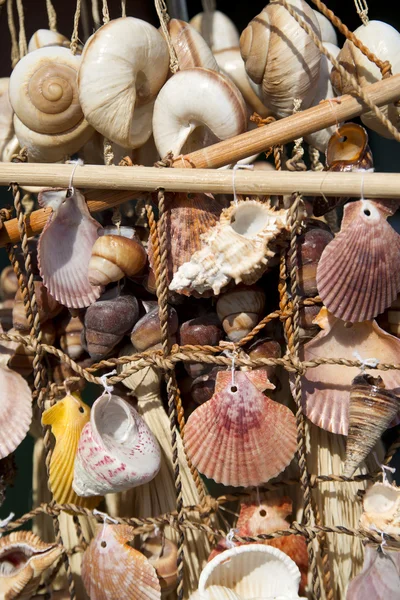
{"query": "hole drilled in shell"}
(249, 220)
(233, 389)
(367, 212)
(263, 513)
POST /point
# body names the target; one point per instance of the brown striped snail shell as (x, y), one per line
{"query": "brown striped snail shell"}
(390, 320)
(163, 555)
(6, 308)
(190, 47)
(310, 246)
(203, 387)
(8, 283)
(240, 310)
(202, 331)
(265, 348)
(70, 339)
(115, 255)
(147, 331)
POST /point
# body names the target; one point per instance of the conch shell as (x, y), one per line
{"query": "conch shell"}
(241, 437)
(112, 569)
(382, 509)
(65, 247)
(239, 247)
(379, 578)
(23, 559)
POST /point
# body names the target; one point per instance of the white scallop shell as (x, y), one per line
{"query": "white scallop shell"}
(116, 451)
(15, 410)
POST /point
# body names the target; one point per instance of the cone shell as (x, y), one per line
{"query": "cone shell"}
(358, 275)
(238, 247)
(379, 578)
(66, 418)
(240, 310)
(371, 410)
(116, 450)
(240, 437)
(114, 257)
(253, 571)
(23, 559)
(325, 402)
(15, 409)
(65, 248)
(381, 509)
(163, 555)
(112, 569)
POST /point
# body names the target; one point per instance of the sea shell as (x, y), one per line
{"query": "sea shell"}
(381, 509)
(371, 410)
(253, 571)
(65, 247)
(309, 247)
(43, 93)
(190, 47)
(328, 33)
(124, 64)
(357, 275)
(15, 406)
(23, 559)
(325, 401)
(112, 569)
(8, 283)
(379, 578)
(217, 29)
(240, 310)
(184, 122)
(147, 331)
(163, 555)
(203, 331)
(281, 57)
(216, 592)
(241, 437)
(239, 247)
(187, 217)
(66, 418)
(6, 115)
(70, 339)
(116, 255)
(47, 306)
(45, 37)
(116, 450)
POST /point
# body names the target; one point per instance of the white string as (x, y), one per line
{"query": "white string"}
(105, 518)
(371, 363)
(385, 479)
(232, 355)
(229, 538)
(363, 171)
(5, 522)
(77, 163)
(108, 389)
(234, 169)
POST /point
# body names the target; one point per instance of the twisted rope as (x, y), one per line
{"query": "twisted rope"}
(52, 15)
(164, 18)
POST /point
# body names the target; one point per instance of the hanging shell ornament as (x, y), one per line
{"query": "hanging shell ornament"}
(66, 418)
(280, 56)
(217, 29)
(309, 248)
(116, 450)
(239, 247)
(65, 247)
(190, 47)
(328, 33)
(163, 555)
(382, 509)
(379, 578)
(6, 115)
(371, 410)
(239, 310)
(358, 275)
(112, 569)
(124, 64)
(241, 437)
(325, 402)
(23, 559)
(43, 93)
(70, 338)
(185, 122)
(46, 37)
(383, 41)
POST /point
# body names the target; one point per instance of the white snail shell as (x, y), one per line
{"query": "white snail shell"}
(328, 33)
(45, 37)
(124, 64)
(6, 115)
(190, 47)
(223, 32)
(44, 96)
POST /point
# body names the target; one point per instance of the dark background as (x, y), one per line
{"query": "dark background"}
(386, 153)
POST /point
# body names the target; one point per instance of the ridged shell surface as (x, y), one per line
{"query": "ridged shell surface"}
(326, 388)
(112, 569)
(382, 509)
(379, 579)
(240, 437)
(65, 247)
(239, 247)
(15, 409)
(358, 275)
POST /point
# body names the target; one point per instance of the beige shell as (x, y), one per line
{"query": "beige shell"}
(8, 283)
(185, 122)
(163, 555)
(382, 509)
(6, 115)
(23, 559)
(48, 307)
(239, 247)
(124, 64)
(46, 37)
(240, 310)
(70, 339)
(281, 57)
(44, 95)
(384, 41)
(190, 47)
(328, 33)
(217, 29)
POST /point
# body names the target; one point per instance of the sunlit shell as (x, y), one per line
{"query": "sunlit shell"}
(217, 29)
(6, 115)
(47, 37)
(379, 578)
(23, 559)
(116, 450)
(190, 47)
(239, 247)
(371, 410)
(163, 555)
(66, 418)
(326, 388)
(382, 509)
(240, 310)
(328, 33)
(112, 569)
(15, 406)
(215, 592)
(65, 247)
(240, 437)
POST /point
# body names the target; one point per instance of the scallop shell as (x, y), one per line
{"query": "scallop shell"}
(371, 410)
(112, 569)
(65, 247)
(325, 400)
(190, 47)
(6, 115)
(358, 275)
(116, 450)
(66, 418)
(240, 437)
(379, 578)
(23, 559)
(382, 509)
(253, 571)
(215, 592)
(239, 247)
(15, 406)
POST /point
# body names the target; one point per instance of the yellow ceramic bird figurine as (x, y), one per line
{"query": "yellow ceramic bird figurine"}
(67, 418)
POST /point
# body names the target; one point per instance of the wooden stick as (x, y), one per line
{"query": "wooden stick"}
(149, 179)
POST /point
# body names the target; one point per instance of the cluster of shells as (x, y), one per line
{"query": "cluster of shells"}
(95, 285)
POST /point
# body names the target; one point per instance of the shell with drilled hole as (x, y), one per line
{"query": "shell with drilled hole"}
(240, 247)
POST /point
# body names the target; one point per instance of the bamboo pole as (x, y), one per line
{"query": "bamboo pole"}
(123, 184)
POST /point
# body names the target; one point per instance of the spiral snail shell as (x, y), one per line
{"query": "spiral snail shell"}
(44, 96)
(45, 37)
